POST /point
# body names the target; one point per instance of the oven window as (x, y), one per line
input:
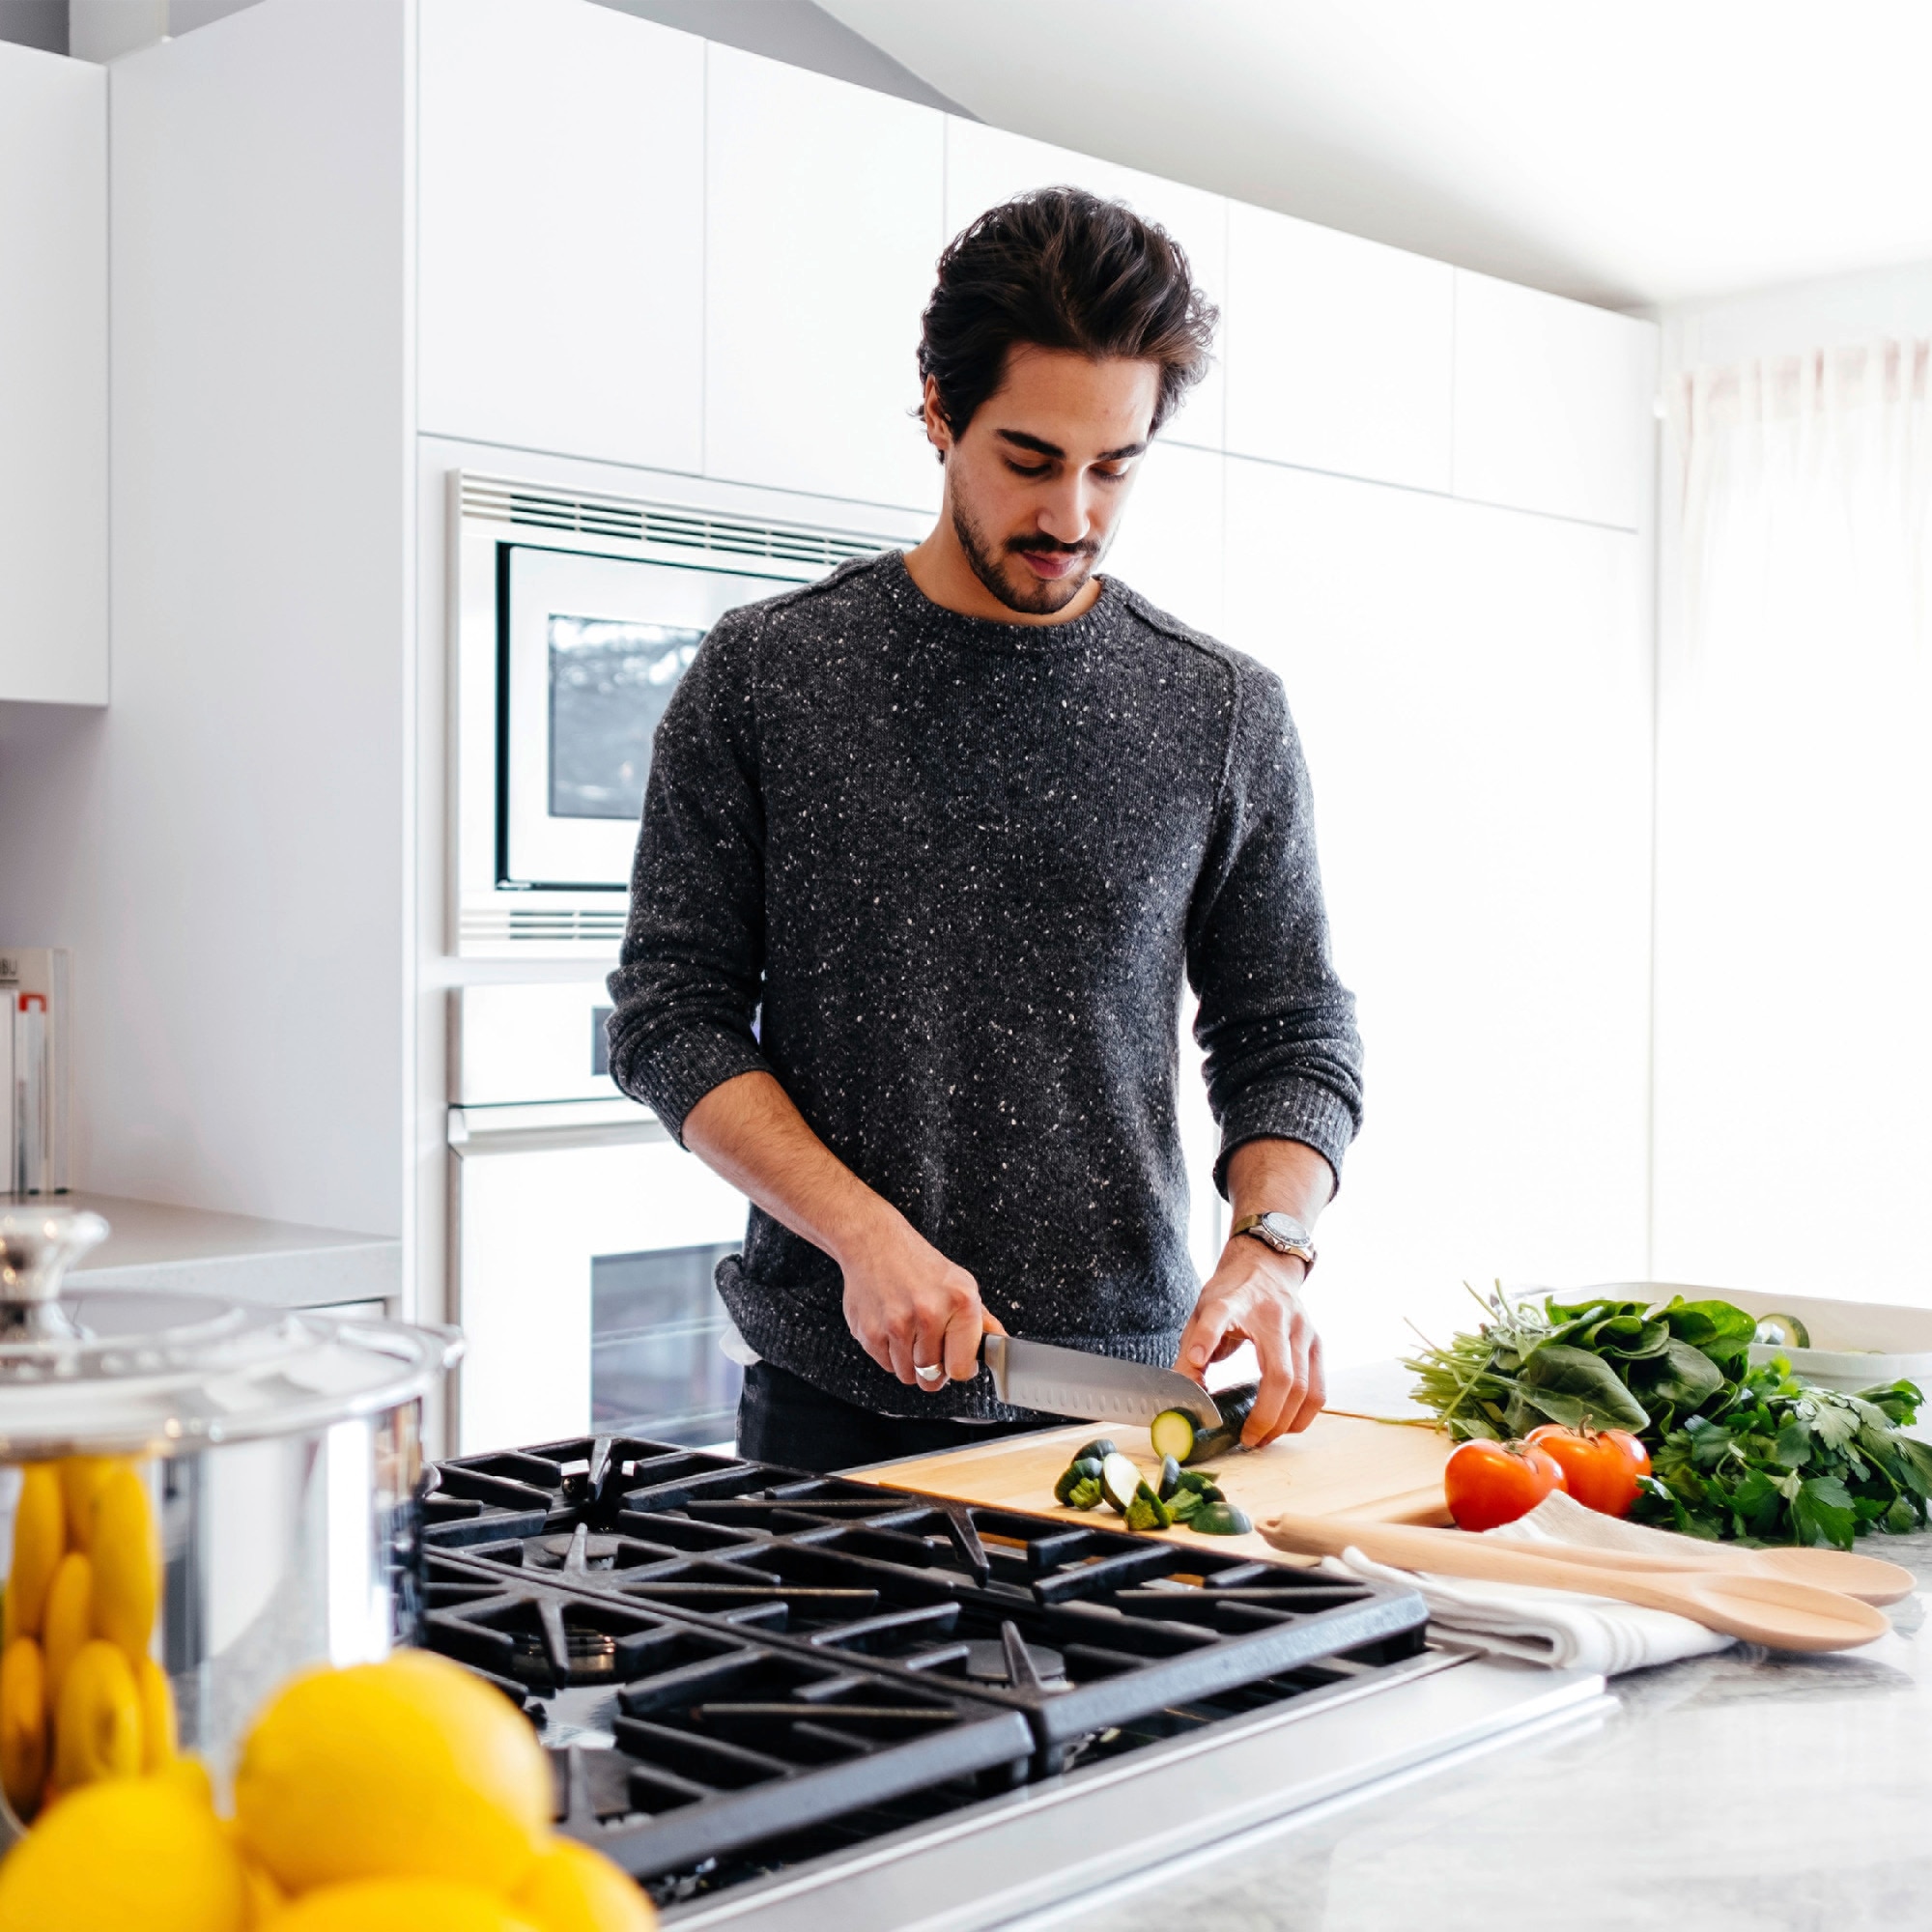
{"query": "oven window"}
(609, 685)
(656, 1367)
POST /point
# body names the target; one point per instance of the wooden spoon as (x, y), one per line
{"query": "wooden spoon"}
(1869, 1579)
(1770, 1610)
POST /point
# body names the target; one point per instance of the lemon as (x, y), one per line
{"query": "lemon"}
(266, 1898)
(137, 1852)
(576, 1890)
(157, 1715)
(189, 1775)
(127, 1561)
(69, 1611)
(410, 1768)
(80, 1480)
(401, 1905)
(23, 1724)
(40, 1540)
(98, 1719)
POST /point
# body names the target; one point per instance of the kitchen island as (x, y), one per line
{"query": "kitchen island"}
(1735, 1791)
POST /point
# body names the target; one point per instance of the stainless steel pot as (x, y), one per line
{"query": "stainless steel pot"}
(220, 1494)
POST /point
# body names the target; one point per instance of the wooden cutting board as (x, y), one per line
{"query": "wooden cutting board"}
(1339, 1465)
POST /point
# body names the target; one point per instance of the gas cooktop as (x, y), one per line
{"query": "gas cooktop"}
(765, 1690)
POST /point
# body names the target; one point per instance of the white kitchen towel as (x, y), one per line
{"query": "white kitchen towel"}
(1556, 1628)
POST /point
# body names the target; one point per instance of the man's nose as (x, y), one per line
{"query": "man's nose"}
(1067, 514)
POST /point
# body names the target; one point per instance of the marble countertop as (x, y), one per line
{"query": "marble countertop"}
(237, 1257)
(1729, 1793)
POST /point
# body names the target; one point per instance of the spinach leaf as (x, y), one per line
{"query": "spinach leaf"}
(1722, 1331)
(1682, 1376)
(1570, 1384)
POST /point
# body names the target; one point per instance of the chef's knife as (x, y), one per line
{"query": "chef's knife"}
(1096, 1388)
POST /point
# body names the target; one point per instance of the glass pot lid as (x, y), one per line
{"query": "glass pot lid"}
(134, 1370)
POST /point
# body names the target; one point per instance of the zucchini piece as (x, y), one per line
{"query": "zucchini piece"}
(1118, 1480)
(1184, 1505)
(1236, 1405)
(1097, 1450)
(1170, 1478)
(1063, 1487)
(1147, 1511)
(1782, 1331)
(1088, 1465)
(1200, 1481)
(1171, 1433)
(1085, 1493)
(1221, 1519)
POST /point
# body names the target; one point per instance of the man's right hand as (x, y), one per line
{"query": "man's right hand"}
(910, 1308)
(907, 1304)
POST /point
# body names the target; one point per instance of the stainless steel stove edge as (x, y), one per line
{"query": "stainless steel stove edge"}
(1021, 1854)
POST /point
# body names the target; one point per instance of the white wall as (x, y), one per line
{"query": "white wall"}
(53, 380)
(224, 856)
(1788, 1035)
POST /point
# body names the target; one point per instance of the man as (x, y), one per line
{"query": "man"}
(927, 850)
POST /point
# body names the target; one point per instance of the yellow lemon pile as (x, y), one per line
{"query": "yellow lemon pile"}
(80, 1697)
(399, 1797)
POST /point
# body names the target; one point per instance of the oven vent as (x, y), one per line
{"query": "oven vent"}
(545, 925)
(628, 520)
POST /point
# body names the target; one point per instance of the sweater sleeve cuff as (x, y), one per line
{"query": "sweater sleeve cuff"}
(1287, 1110)
(672, 1076)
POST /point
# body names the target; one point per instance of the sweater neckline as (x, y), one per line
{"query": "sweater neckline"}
(991, 634)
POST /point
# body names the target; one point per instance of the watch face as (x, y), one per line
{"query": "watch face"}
(1285, 1228)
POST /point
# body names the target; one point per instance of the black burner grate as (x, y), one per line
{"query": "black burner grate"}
(740, 1662)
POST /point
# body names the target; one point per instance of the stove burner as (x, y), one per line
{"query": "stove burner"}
(592, 1655)
(989, 1663)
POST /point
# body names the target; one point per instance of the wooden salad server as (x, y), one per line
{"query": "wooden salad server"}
(1770, 1610)
(1869, 1579)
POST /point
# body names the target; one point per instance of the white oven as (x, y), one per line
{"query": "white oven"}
(576, 613)
(584, 1239)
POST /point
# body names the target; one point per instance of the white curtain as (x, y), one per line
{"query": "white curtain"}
(1793, 1053)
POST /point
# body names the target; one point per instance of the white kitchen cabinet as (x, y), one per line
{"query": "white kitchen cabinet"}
(1552, 403)
(987, 165)
(1169, 545)
(561, 230)
(53, 378)
(825, 207)
(1339, 352)
(1472, 691)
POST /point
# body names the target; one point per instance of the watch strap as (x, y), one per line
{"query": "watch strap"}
(1257, 1227)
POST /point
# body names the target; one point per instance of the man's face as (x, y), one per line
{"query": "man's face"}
(1036, 485)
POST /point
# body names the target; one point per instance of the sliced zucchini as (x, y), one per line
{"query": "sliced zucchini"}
(1147, 1511)
(1173, 1432)
(1170, 1478)
(1097, 1450)
(1221, 1519)
(1085, 1493)
(1118, 1480)
(1200, 1481)
(1235, 1405)
(1063, 1487)
(1782, 1331)
(1184, 1504)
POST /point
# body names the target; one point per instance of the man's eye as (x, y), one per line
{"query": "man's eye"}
(1113, 473)
(1029, 469)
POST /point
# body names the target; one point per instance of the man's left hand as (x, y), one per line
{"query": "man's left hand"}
(1254, 1295)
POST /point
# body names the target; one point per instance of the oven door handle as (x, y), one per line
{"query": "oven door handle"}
(551, 1126)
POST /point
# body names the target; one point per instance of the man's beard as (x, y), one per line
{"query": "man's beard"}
(1038, 597)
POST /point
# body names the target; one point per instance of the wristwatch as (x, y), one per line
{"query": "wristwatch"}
(1282, 1233)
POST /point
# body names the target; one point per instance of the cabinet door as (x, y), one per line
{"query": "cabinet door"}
(53, 378)
(987, 165)
(1169, 545)
(1339, 352)
(824, 212)
(1472, 690)
(561, 230)
(1553, 402)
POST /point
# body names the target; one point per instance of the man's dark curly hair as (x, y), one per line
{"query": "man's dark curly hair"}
(1062, 269)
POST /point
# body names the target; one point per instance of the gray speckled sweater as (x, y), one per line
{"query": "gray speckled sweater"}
(963, 867)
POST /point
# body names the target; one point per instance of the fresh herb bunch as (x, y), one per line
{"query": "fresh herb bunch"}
(1736, 1451)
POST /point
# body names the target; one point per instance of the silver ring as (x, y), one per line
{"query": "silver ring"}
(928, 1375)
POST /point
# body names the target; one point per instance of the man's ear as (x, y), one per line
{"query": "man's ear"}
(937, 431)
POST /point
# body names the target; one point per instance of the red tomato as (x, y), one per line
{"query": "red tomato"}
(1599, 1467)
(1488, 1482)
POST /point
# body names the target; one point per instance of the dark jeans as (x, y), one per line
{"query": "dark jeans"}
(782, 1418)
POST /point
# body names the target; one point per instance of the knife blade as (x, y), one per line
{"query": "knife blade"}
(1096, 1388)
